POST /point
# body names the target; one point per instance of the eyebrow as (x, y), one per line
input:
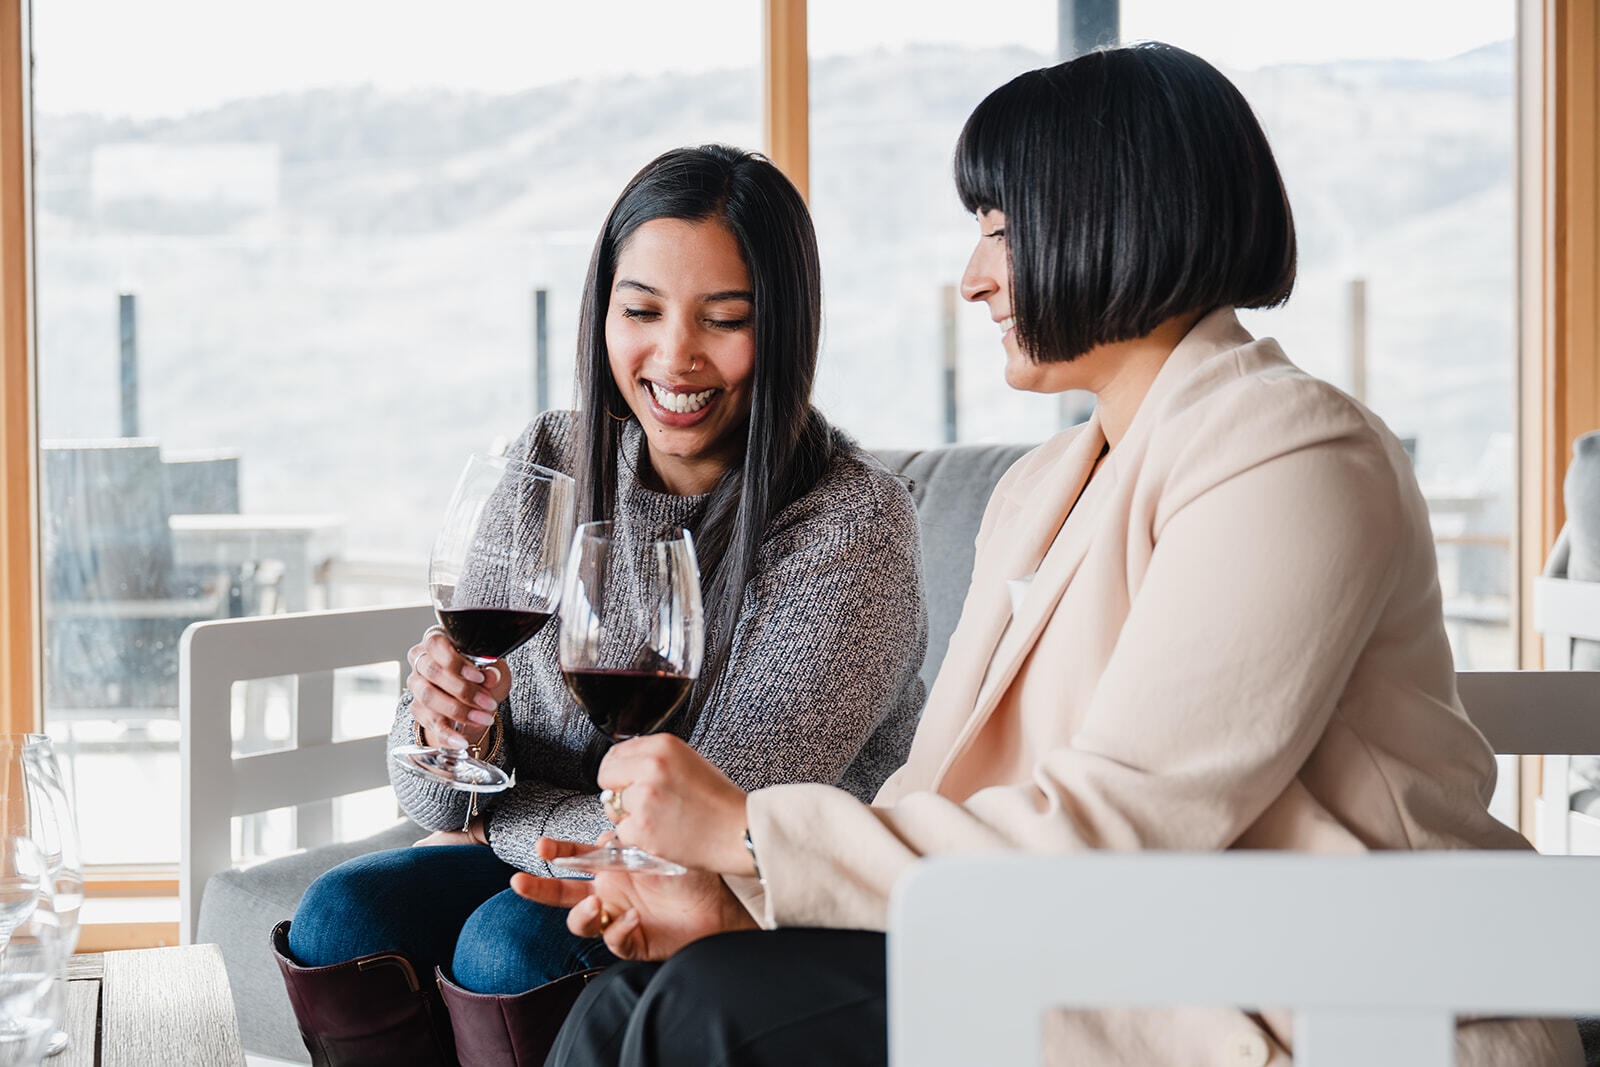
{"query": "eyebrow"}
(709, 298)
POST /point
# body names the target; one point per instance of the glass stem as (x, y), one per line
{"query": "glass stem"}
(472, 804)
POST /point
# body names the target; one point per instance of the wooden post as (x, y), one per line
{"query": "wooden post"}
(1558, 300)
(541, 352)
(950, 346)
(1084, 25)
(1356, 310)
(128, 344)
(19, 591)
(786, 107)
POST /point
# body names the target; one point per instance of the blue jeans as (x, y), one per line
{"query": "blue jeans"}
(448, 905)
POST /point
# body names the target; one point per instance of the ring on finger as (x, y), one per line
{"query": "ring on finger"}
(605, 918)
(612, 799)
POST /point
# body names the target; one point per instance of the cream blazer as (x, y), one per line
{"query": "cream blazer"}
(1234, 640)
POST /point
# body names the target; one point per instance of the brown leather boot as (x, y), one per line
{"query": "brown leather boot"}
(372, 1010)
(510, 1031)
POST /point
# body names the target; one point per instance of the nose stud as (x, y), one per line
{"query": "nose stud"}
(694, 363)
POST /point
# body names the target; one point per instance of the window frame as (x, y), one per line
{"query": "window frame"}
(1558, 319)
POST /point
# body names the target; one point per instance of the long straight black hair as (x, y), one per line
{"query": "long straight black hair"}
(786, 442)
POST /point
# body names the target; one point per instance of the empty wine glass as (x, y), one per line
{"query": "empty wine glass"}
(46, 815)
(632, 637)
(495, 578)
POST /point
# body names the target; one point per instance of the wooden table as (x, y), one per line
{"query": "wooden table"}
(144, 1006)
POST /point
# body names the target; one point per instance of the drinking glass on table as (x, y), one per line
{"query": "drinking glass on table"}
(42, 811)
(495, 580)
(632, 637)
(32, 952)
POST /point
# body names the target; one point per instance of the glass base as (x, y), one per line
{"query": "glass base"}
(616, 858)
(453, 767)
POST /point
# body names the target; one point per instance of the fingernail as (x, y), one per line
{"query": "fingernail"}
(482, 718)
(472, 674)
(486, 702)
(454, 741)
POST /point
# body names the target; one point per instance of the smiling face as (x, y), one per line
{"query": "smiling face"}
(988, 279)
(680, 336)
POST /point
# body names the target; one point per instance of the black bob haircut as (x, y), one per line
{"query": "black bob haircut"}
(1136, 186)
(786, 443)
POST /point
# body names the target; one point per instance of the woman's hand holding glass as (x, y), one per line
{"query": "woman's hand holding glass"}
(639, 916)
(452, 698)
(672, 802)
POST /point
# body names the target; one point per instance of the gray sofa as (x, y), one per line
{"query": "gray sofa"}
(950, 485)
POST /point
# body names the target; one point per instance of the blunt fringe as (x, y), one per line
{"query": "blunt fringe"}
(1136, 185)
(787, 442)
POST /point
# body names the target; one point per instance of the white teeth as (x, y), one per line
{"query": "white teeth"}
(680, 403)
(1008, 323)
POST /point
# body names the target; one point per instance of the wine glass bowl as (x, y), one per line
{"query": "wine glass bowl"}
(495, 579)
(40, 809)
(632, 640)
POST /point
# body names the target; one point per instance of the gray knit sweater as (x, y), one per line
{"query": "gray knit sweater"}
(821, 680)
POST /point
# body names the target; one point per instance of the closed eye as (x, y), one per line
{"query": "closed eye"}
(728, 324)
(640, 313)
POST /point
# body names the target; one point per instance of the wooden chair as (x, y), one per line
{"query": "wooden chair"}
(218, 785)
(1565, 611)
(1376, 954)
(1375, 981)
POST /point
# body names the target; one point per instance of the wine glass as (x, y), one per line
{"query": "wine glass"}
(632, 637)
(32, 952)
(495, 579)
(44, 812)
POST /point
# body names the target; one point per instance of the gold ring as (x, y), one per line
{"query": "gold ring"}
(605, 918)
(612, 799)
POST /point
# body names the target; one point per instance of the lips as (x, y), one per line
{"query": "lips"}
(679, 406)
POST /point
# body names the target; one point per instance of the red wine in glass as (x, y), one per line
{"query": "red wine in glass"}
(624, 704)
(495, 579)
(632, 637)
(488, 634)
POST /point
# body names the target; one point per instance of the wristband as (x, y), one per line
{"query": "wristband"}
(750, 847)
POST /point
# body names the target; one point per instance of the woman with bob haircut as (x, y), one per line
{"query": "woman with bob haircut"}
(1208, 618)
(696, 353)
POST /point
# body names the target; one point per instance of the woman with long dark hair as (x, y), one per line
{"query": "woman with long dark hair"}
(1208, 618)
(696, 353)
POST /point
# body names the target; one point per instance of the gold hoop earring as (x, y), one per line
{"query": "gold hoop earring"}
(619, 418)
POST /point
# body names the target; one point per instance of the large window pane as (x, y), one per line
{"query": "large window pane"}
(321, 251)
(1394, 126)
(888, 97)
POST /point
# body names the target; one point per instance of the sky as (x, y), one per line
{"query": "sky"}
(168, 57)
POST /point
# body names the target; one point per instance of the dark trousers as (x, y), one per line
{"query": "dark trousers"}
(746, 999)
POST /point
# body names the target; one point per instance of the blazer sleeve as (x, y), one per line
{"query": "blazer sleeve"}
(1261, 591)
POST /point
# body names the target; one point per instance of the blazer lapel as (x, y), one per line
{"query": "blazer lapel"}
(1042, 504)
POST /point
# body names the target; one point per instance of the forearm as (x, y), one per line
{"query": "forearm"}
(534, 809)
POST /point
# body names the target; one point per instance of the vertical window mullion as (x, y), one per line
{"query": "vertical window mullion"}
(786, 107)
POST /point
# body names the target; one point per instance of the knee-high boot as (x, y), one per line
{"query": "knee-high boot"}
(374, 1010)
(510, 1031)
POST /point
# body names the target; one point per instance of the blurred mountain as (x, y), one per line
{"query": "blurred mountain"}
(337, 283)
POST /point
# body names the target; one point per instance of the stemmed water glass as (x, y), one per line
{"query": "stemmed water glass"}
(495, 579)
(632, 637)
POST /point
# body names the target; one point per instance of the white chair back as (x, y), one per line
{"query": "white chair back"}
(217, 785)
(1376, 954)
